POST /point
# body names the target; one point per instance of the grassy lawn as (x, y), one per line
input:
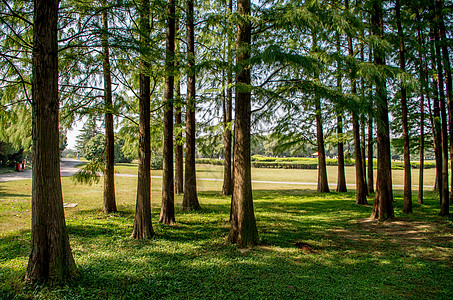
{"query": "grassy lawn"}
(312, 246)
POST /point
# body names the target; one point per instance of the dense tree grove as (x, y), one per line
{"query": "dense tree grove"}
(351, 79)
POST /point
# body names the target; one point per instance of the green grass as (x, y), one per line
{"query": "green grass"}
(311, 246)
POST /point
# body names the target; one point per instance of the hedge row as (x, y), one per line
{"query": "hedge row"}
(284, 165)
(209, 161)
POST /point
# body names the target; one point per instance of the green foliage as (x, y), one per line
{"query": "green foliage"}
(157, 162)
(95, 147)
(89, 173)
(9, 155)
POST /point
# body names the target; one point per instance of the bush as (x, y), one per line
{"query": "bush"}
(157, 162)
(285, 165)
(209, 161)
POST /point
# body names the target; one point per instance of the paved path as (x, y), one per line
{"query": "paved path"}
(67, 168)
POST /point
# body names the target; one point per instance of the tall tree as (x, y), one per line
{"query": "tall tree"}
(190, 200)
(50, 256)
(360, 184)
(341, 182)
(143, 228)
(167, 212)
(370, 166)
(227, 188)
(243, 224)
(383, 201)
(443, 189)
(323, 184)
(179, 157)
(109, 169)
(407, 198)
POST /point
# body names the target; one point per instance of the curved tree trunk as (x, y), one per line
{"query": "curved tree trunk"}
(227, 188)
(50, 254)
(167, 212)
(109, 170)
(407, 198)
(243, 225)
(383, 202)
(143, 228)
(190, 200)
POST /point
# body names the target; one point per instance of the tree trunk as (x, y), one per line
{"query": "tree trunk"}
(227, 188)
(444, 204)
(167, 212)
(179, 157)
(383, 202)
(341, 184)
(448, 82)
(363, 151)
(50, 254)
(370, 166)
(109, 170)
(437, 135)
(360, 184)
(407, 198)
(243, 225)
(143, 228)
(423, 88)
(190, 200)
(323, 185)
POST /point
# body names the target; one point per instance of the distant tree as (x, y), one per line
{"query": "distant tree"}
(50, 256)
(88, 131)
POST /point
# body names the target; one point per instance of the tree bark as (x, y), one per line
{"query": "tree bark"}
(190, 200)
(448, 82)
(370, 166)
(243, 225)
(383, 202)
(423, 89)
(143, 228)
(341, 184)
(407, 198)
(363, 151)
(360, 184)
(179, 157)
(444, 204)
(437, 132)
(227, 188)
(109, 170)
(50, 257)
(167, 212)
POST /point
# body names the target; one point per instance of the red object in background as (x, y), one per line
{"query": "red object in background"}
(17, 167)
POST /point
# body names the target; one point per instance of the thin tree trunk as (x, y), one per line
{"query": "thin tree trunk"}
(50, 254)
(227, 188)
(179, 157)
(109, 170)
(362, 149)
(444, 204)
(370, 172)
(360, 184)
(341, 182)
(383, 202)
(407, 198)
(143, 228)
(437, 135)
(167, 212)
(422, 113)
(243, 225)
(190, 200)
(448, 83)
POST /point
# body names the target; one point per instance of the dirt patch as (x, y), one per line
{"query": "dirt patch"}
(307, 248)
(430, 240)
